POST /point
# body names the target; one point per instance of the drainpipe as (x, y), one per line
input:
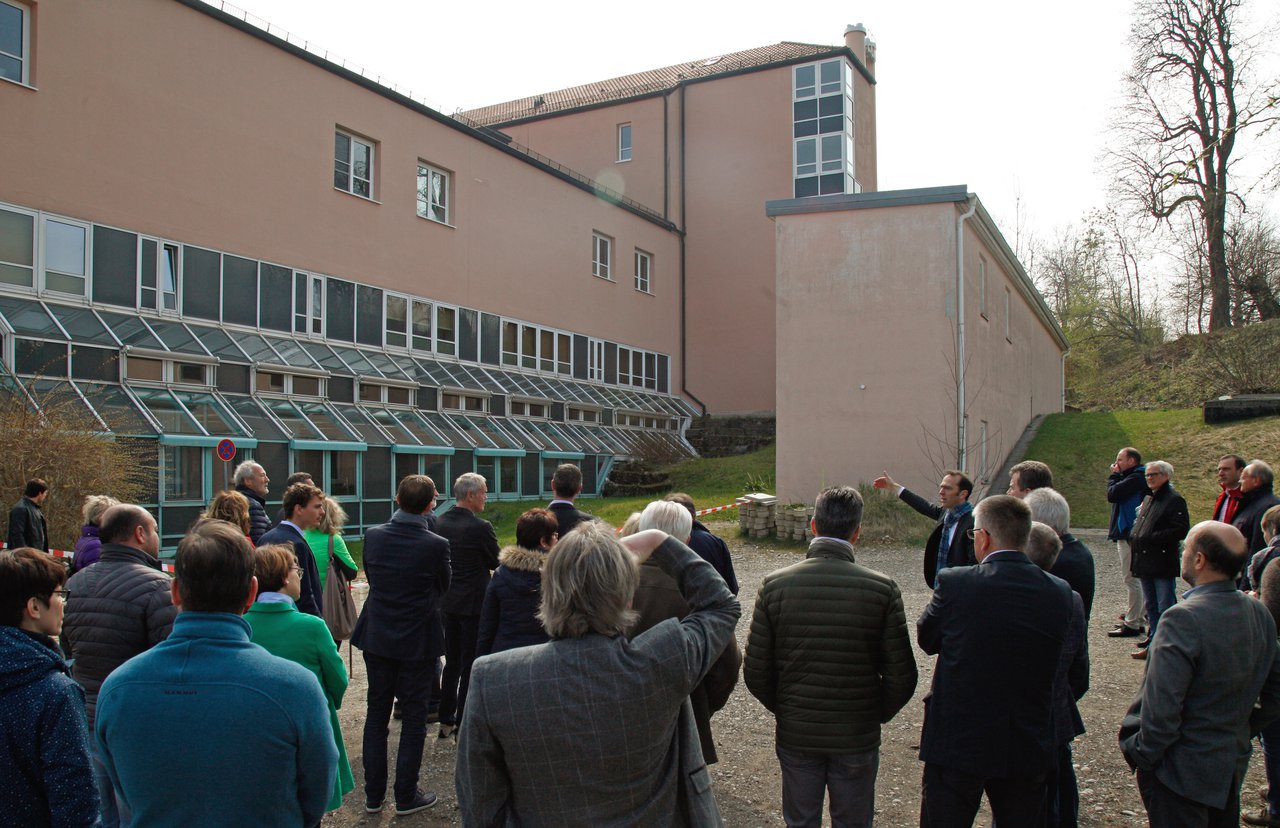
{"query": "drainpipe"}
(1062, 378)
(961, 435)
(684, 298)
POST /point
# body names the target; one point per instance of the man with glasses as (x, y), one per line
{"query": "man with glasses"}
(951, 543)
(998, 630)
(1161, 524)
(120, 607)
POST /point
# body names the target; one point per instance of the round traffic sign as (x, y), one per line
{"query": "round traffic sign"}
(226, 450)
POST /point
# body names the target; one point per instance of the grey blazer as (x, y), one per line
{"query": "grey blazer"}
(589, 731)
(1212, 657)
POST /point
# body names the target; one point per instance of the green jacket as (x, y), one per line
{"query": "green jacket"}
(304, 639)
(829, 653)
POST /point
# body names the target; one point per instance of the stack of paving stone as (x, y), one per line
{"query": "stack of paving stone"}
(793, 523)
(757, 515)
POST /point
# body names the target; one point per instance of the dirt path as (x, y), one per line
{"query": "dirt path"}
(746, 779)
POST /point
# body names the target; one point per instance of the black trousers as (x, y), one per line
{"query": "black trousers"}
(460, 633)
(951, 799)
(410, 682)
(1168, 809)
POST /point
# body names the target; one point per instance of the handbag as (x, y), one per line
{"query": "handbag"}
(338, 608)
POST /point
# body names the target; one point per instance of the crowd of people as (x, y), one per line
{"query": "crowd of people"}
(578, 670)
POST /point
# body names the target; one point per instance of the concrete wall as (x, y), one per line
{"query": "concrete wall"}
(158, 118)
(866, 350)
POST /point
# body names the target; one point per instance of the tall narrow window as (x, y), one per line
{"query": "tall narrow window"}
(624, 142)
(17, 249)
(564, 353)
(510, 343)
(595, 360)
(982, 286)
(528, 347)
(446, 330)
(1006, 315)
(352, 165)
(601, 255)
(433, 193)
(397, 321)
(15, 42)
(65, 249)
(308, 303)
(421, 326)
(644, 267)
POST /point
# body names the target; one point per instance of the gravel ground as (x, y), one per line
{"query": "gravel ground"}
(746, 780)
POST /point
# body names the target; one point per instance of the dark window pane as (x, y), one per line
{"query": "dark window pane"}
(239, 291)
(610, 362)
(806, 187)
(233, 379)
(115, 267)
(833, 124)
(342, 473)
(804, 110)
(311, 462)
(46, 358)
(489, 345)
(340, 311)
(831, 105)
(406, 464)
(274, 457)
(82, 324)
(369, 316)
(341, 389)
(467, 322)
(200, 283)
(832, 184)
(274, 305)
(95, 363)
(805, 128)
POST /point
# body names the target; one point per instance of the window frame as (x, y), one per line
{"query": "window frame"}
(595, 360)
(425, 206)
(289, 375)
(157, 306)
(823, 164)
(644, 284)
(24, 59)
(87, 256)
(600, 243)
(312, 317)
(168, 370)
(34, 239)
(460, 407)
(982, 286)
(387, 297)
(1007, 304)
(352, 141)
(625, 135)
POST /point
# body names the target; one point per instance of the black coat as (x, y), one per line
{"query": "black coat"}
(27, 526)
(473, 554)
(259, 523)
(1248, 517)
(408, 570)
(1158, 530)
(998, 629)
(509, 617)
(312, 599)
(567, 517)
(715, 552)
(960, 553)
(1075, 566)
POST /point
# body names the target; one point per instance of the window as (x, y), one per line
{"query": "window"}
(583, 415)
(158, 276)
(65, 253)
(308, 304)
(644, 267)
(397, 321)
(501, 475)
(140, 368)
(392, 394)
(15, 42)
(446, 330)
(421, 326)
(183, 472)
(433, 193)
(1006, 314)
(637, 368)
(278, 382)
(17, 245)
(523, 408)
(982, 286)
(453, 401)
(595, 360)
(352, 165)
(601, 255)
(822, 128)
(624, 142)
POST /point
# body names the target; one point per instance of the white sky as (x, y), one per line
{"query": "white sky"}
(1009, 97)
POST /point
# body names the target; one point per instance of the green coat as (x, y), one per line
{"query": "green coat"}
(304, 639)
(319, 543)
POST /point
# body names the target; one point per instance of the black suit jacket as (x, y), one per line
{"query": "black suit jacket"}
(27, 526)
(960, 553)
(998, 629)
(312, 598)
(473, 555)
(1075, 566)
(567, 517)
(408, 570)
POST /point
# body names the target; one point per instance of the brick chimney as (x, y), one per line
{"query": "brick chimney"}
(855, 37)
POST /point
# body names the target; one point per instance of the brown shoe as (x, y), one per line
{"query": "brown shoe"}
(1141, 655)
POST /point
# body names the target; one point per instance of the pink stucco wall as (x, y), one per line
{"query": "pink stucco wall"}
(866, 350)
(154, 117)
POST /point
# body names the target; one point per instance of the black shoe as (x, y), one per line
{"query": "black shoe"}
(371, 807)
(1123, 631)
(395, 712)
(1144, 643)
(421, 802)
(433, 716)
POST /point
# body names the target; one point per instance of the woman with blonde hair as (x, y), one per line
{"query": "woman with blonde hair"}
(304, 639)
(233, 507)
(325, 539)
(89, 547)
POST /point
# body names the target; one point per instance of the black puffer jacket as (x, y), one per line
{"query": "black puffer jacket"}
(829, 652)
(1158, 530)
(259, 523)
(119, 607)
(508, 618)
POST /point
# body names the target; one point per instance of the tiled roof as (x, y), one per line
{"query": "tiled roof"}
(642, 83)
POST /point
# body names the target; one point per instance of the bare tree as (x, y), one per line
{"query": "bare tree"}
(1188, 102)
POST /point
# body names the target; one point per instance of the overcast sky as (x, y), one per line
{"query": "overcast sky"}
(1013, 99)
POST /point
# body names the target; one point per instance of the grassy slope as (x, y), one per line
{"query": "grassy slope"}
(1080, 447)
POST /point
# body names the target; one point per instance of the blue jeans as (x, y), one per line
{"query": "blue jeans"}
(115, 813)
(1159, 594)
(851, 779)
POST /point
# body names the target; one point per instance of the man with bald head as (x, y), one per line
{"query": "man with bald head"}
(119, 607)
(1212, 658)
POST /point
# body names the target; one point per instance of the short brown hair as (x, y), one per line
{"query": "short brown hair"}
(1270, 523)
(415, 493)
(231, 506)
(1033, 474)
(272, 563)
(214, 568)
(34, 487)
(567, 481)
(535, 526)
(685, 501)
(964, 484)
(297, 495)
(26, 573)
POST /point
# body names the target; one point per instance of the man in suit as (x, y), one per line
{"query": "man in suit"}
(304, 509)
(1074, 563)
(593, 728)
(710, 548)
(998, 630)
(950, 543)
(1211, 660)
(473, 554)
(566, 483)
(27, 525)
(399, 634)
(1230, 469)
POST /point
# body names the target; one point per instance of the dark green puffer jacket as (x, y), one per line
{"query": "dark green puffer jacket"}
(829, 653)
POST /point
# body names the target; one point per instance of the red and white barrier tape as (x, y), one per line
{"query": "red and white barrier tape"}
(702, 512)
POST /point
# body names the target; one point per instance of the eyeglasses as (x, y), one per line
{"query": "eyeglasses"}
(65, 593)
(1155, 474)
(297, 570)
(970, 533)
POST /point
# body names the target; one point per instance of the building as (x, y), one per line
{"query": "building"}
(211, 232)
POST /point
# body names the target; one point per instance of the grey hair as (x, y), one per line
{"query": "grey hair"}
(672, 518)
(1160, 467)
(244, 471)
(1043, 545)
(333, 519)
(631, 526)
(467, 485)
(1262, 472)
(95, 506)
(588, 581)
(1049, 507)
